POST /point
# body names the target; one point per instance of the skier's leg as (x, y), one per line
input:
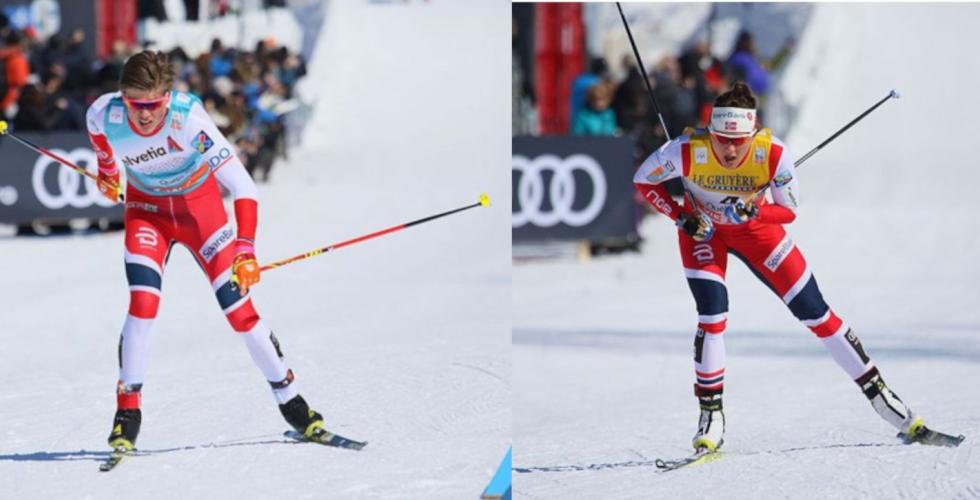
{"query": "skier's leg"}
(771, 254)
(704, 267)
(211, 241)
(146, 250)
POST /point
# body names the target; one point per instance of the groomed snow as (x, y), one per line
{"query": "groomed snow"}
(602, 350)
(403, 341)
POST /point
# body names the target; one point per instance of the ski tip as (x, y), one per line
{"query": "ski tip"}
(894, 94)
(485, 199)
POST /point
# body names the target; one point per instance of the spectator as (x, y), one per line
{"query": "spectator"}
(746, 66)
(16, 69)
(580, 86)
(709, 77)
(596, 117)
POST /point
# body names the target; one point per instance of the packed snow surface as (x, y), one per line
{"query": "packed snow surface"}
(602, 350)
(403, 341)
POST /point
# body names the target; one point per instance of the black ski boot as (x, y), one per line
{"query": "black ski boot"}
(299, 415)
(125, 428)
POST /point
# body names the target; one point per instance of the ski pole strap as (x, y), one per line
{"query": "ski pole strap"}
(484, 202)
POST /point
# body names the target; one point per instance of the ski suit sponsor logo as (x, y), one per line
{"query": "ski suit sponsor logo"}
(703, 253)
(147, 237)
(183, 98)
(760, 155)
(177, 122)
(782, 178)
(779, 254)
(217, 242)
(727, 182)
(172, 145)
(659, 203)
(661, 172)
(150, 154)
(216, 160)
(202, 142)
(700, 155)
(139, 205)
(115, 114)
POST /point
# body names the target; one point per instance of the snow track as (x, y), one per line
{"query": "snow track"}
(402, 341)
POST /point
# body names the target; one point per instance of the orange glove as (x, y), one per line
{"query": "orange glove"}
(108, 183)
(244, 269)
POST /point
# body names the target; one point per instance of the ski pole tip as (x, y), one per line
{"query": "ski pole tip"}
(3, 127)
(893, 94)
(485, 200)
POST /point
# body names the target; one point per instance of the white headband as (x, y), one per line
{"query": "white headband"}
(733, 122)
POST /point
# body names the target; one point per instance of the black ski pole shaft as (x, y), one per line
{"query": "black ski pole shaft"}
(891, 94)
(643, 71)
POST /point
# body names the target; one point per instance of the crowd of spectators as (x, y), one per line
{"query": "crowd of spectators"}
(685, 88)
(47, 85)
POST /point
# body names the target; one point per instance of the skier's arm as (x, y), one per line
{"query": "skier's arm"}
(662, 165)
(231, 174)
(784, 188)
(109, 177)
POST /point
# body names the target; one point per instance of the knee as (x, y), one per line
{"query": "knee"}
(144, 289)
(243, 318)
(711, 296)
(808, 304)
(143, 304)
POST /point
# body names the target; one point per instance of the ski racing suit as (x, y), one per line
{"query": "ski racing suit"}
(761, 243)
(172, 196)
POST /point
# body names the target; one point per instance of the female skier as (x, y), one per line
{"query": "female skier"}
(175, 158)
(723, 168)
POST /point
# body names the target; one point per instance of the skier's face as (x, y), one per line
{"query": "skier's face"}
(731, 151)
(146, 108)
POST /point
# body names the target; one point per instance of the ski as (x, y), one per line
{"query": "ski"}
(114, 458)
(702, 456)
(933, 438)
(327, 438)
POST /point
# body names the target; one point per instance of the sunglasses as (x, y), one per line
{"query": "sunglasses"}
(146, 104)
(734, 141)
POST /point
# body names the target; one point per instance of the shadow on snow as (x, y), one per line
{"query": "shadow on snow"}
(652, 463)
(99, 456)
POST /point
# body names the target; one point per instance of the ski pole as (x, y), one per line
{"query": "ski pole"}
(891, 94)
(656, 107)
(484, 202)
(46, 152)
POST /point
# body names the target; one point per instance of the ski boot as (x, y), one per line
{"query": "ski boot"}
(125, 428)
(711, 425)
(889, 406)
(299, 415)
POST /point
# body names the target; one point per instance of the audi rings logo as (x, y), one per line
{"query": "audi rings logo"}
(68, 192)
(561, 190)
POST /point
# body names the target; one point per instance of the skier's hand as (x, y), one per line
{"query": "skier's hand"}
(108, 183)
(245, 268)
(697, 226)
(741, 212)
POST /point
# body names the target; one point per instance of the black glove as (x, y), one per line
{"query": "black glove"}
(697, 226)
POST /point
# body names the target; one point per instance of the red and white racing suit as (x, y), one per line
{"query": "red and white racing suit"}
(173, 197)
(761, 243)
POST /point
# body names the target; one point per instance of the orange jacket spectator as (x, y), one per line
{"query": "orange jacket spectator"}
(18, 69)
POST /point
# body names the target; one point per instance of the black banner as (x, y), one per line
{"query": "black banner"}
(34, 187)
(572, 188)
